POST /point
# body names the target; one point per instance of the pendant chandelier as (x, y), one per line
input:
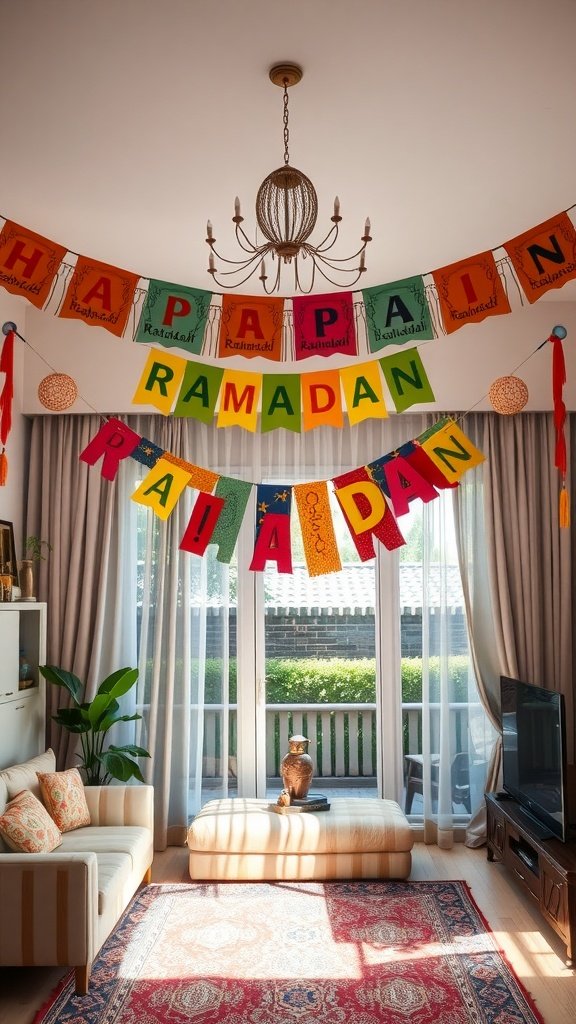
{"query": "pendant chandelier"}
(286, 212)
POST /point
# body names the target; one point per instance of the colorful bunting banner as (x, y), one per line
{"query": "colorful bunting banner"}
(370, 497)
(406, 379)
(466, 291)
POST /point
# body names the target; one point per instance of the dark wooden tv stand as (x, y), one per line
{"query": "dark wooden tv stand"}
(545, 868)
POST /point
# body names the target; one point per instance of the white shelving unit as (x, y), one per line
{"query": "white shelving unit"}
(22, 710)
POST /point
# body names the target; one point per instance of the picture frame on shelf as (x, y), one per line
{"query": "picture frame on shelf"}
(8, 563)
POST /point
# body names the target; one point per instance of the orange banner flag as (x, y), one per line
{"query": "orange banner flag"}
(545, 256)
(251, 326)
(469, 291)
(318, 537)
(28, 263)
(100, 295)
(321, 399)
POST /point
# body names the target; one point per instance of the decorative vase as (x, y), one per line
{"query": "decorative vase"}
(27, 579)
(297, 768)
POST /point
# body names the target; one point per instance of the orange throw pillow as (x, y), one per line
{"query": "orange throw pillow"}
(63, 796)
(26, 826)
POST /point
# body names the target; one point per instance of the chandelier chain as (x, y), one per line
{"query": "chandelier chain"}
(286, 129)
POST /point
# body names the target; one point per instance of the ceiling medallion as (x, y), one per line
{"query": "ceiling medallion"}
(286, 212)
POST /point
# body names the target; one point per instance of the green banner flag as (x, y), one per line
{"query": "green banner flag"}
(235, 494)
(406, 379)
(280, 402)
(174, 316)
(397, 313)
(199, 392)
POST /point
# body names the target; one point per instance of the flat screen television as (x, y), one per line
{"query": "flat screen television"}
(534, 753)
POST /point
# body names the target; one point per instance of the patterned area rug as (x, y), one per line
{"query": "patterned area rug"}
(297, 952)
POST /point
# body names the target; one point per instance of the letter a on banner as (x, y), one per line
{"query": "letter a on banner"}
(100, 295)
(251, 326)
(397, 313)
(273, 506)
(28, 263)
(363, 392)
(162, 487)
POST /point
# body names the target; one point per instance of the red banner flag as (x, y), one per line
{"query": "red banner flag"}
(324, 325)
(100, 295)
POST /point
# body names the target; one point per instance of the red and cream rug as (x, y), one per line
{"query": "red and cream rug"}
(297, 952)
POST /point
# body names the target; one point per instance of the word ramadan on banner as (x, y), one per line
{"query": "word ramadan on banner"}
(279, 329)
(173, 384)
(371, 498)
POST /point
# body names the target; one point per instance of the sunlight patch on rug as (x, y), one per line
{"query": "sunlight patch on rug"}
(358, 952)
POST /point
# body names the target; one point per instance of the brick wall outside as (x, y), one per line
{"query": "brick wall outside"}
(317, 633)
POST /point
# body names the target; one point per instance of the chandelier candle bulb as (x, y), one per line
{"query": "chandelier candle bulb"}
(263, 271)
(236, 207)
(367, 228)
(336, 209)
(211, 267)
(209, 230)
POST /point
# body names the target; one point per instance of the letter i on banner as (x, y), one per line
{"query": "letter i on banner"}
(320, 548)
(201, 524)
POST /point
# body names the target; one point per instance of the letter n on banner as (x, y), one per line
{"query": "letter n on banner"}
(324, 325)
(100, 295)
(161, 488)
(366, 512)
(115, 441)
(469, 291)
(545, 256)
(451, 450)
(250, 327)
(160, 380)
(406, 379)
(174, 315)
(29, 263)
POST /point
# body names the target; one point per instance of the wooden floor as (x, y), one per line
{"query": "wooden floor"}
(534, 951)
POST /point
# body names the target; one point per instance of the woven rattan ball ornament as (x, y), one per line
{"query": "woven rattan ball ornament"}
(508, 395)
(57, 392)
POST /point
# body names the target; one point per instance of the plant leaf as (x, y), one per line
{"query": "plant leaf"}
(119, 766)
(119, 682)
(72, 719)
(111, 720)
(59, 677)
(130, 748)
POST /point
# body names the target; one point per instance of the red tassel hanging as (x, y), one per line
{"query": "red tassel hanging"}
(558, 382)
(6, 396)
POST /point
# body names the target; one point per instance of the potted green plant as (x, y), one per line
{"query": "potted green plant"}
(92, 720)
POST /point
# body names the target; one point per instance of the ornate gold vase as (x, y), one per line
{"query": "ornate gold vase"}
(297, 768)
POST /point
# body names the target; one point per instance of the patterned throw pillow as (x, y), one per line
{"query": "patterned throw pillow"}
(63, 796)
(26, 826)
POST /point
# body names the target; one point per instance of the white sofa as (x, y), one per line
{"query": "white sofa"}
(57, 908)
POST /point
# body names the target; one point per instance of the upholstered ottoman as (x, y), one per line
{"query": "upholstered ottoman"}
(357, 838)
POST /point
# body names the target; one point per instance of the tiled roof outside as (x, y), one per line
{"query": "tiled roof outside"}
(353, 588)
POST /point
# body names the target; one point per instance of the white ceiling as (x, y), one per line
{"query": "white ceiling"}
(126, 124)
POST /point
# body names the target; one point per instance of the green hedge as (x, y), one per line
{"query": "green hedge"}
(338, 680)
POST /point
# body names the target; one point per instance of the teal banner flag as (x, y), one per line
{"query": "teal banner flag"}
(406, 379)
(174, 316)
(397, 313)
(280, 402)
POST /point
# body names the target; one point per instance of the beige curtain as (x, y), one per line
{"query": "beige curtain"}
(515, 564)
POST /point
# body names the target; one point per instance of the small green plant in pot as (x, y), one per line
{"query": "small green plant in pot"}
(92, 720)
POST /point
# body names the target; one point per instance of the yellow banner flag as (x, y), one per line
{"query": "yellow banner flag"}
(162, 487)
(320, 548)
(452, 451)
(363, 392)
(160, 382)
(239, 398)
